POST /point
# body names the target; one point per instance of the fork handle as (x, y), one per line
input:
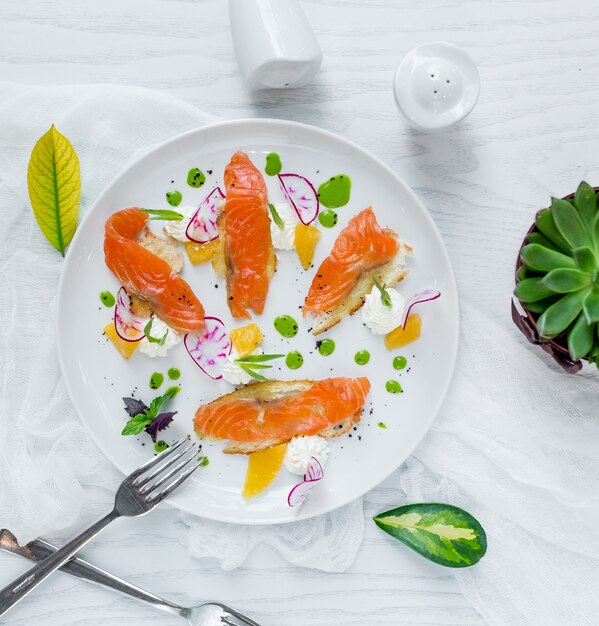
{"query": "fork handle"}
(19, 588)
(38, 550)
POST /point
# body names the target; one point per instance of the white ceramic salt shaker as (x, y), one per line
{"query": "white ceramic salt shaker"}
(274, 43)
(436, 85)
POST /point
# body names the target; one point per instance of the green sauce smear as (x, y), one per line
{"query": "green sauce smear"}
(273, 164)
(156, 380)
(294, 360)
(174, 373)
(335, 192)
(362, 357)
(326, 347)
(203, 461)
(107, 298)
(382, 425)
(328, 218)
(195, 177)
(286, 326)
(399, 362)
(392, 386)
(174, 198)
(160, 446)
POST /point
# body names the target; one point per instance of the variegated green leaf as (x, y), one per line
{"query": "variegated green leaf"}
(585, 200)
(569, 223)
(442, 533)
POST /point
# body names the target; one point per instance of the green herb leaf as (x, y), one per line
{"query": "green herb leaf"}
(148, 330)
(162, 214)
(561, 314)
(580, 337)
(590, 306)
(542, 259)
(585, 200)
(254, 366)
(276, 218)
(385, 297)
(585, 259)
(442, 533)
(158, 402)
(136, 424)
(248, 370)
(569, 223)
(54, 185)
(565, 280)
(532, 290)
(258, 358)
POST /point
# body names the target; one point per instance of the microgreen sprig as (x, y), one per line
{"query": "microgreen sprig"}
(162, 214)
(275, 215)
(148, 334)
(385, 297)
(253, 362)
(150, 417)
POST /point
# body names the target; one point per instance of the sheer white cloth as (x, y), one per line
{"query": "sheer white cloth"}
(516, 442)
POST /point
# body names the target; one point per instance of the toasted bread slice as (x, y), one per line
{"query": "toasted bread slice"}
(390, 274)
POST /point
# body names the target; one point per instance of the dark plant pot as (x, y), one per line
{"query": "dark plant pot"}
(527, 322)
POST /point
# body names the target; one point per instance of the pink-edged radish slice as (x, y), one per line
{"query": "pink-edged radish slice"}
(202, 226)
(301, 195)
(128, 326)
(423, 296)
(312, 477)
(210, 348)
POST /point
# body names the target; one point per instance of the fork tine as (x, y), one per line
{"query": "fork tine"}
(244, 619)
(159, 457)
(162, 477)
(154, 498)
(144, 479)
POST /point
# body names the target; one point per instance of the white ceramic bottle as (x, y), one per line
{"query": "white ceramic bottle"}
(274, 43)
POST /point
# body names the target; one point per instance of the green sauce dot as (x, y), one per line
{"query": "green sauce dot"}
(335, 192)
(156, 380)
(286, 326)
(362, 357)
(399, 362)
(294, 360)
(382, 425)
(174, 198)
(107, 298)
(195, 178)
(160, 446)
(273, 164)
(174, 373)
(326, 347)
(175, 389)
(392, 386)
(328, 218)
(203, 461)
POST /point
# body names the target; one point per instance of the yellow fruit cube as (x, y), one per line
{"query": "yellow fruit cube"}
(263, 468)
(201, 252)
(400, 337)
(246, 338)
(305, 240)
(126, 348)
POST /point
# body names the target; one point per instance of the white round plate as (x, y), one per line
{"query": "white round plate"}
(97, 376)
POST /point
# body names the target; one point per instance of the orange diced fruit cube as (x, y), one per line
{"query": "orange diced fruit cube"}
(400, 337)
(126, 348)
(246, 338)
(263, 468)
(305, 240)
(201, 252)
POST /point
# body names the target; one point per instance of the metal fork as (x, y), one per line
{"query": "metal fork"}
(202, 614)
(138, 494)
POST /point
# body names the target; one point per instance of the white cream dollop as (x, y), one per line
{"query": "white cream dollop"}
(176, 228)
(159, 328)
(379, 318)
(283, 238)
(300, 451)
(233, 373)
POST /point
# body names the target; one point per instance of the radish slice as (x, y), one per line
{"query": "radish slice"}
(302, 196)
(202, 226)
(312, 477)
(211, 348)
(423, 296)
(128, 326)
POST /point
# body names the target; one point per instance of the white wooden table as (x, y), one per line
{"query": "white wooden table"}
(533, 133)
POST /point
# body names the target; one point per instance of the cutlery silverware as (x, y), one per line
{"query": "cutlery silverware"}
(138, 494)
(199, 615)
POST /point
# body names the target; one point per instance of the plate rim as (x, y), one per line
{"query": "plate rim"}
(283, 123)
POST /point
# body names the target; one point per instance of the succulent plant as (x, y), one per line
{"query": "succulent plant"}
(558, 281)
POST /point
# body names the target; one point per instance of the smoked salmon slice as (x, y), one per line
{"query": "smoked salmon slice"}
(362, 249)
(249, 253)
(268, 413)
(148, 276)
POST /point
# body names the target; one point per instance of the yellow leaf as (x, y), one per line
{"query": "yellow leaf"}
(54, 186)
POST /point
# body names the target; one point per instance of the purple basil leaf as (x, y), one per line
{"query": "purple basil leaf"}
(134, 407)
(160, 422)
